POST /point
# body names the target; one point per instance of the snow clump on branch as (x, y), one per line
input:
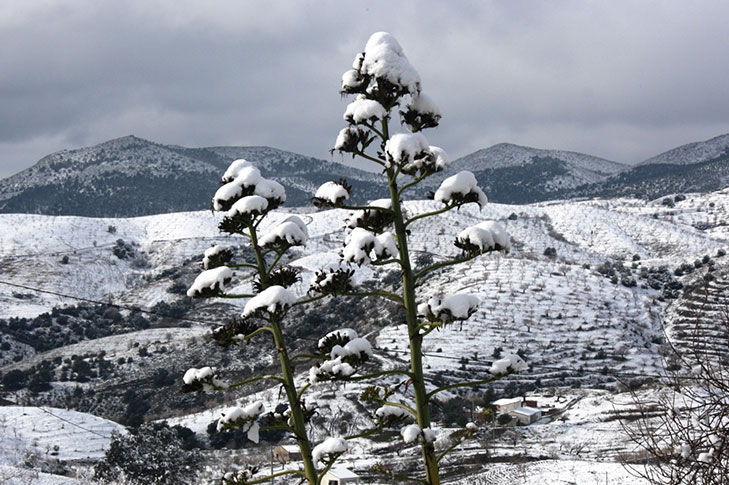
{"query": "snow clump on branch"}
(273, 299)
(204, 379)
(243, 418)
(242, 179)
(383, 58)
(288, 233)
(460, 189)
(363, 109)
(454, 307)
(361, 247)
(346, 351)
(510, 363)
(331, 194)
(483, 237)
(330, 447)
(210, 282)
(216, 256)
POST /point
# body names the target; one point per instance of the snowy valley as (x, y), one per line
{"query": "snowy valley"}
(582, 296)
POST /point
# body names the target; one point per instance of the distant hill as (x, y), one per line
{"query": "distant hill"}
(131, 176)
(694, 167)
(514, 174)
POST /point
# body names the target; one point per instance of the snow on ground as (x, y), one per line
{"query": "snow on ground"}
(10, 475)
(554, 472)
(52, 434)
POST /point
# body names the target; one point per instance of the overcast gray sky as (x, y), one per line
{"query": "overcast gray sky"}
(621, 80)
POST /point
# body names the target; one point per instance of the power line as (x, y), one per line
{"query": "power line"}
(109, 304)
(72, 423)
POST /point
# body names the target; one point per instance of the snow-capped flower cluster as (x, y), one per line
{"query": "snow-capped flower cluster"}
(383, 59)
(510, 363)
(388, 415)
(204, 379)
(362, 247)
(216, 256)
(330, 194)
(362, 109)
(291, 232)
(330, 448)
(461, 188)
(332, 281)
(483, 237)
(406, 149)
(346, 351)
(454, 307)
(352, 139)
(243, 418)
(411, 432)
(421, 113)
(375, 219)
(336, 337)
(210, 282)
(273, 299)
(242, 179)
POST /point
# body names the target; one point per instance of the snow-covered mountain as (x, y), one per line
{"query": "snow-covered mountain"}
(692, 153)
(130, 176)
(517, 174)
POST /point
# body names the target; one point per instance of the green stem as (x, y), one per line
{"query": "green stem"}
(466, 384)
(363, 208)
(428, 214)
(255, 379)
(449, 449)
(386, 262)
(275, 261)
(382, 373)
(443, 264)
(309, 300)
(411, 184)
(369, 432)
(416, 354)
(257, 331)
(279, 474)
(228, 295)
(260, 260)
(384, 294)
(243, 265)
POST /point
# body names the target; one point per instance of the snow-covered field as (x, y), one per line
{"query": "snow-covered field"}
(572, 323)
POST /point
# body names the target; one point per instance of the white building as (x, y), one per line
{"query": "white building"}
(527, 415)
(505, 406)
(339, 476)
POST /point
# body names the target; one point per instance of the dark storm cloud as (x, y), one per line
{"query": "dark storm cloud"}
(622, 80)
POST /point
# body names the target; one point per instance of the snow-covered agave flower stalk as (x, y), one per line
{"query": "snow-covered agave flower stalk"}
(346, 352)
(210, 283)
(460, 189)
(412, 153)
(510, 364)
(388, 415)
(363, 247)
(245, 418)
(216, 256)
(421, 113)
(204, 379)
(412, 432)
(270, 302)
(376, 219)
(242, 179)
(331, 194)
(291, 232)
(450, 308)
(483, 237)
(328, 450)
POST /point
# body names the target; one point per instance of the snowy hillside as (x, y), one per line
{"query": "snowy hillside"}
(505, 155)
(697, 152)
(130, 176)
(581, 295)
